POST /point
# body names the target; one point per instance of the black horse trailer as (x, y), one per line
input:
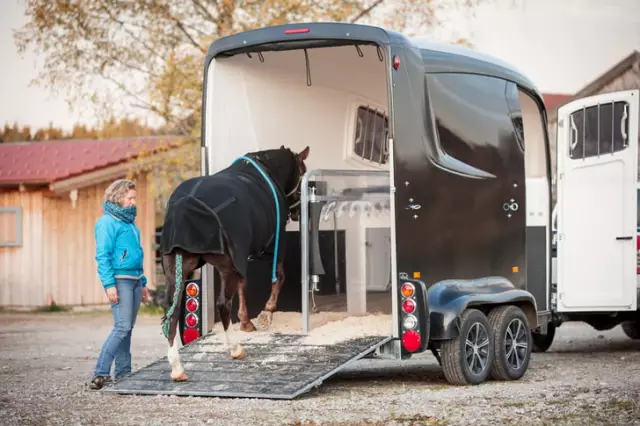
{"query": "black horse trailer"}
(427, 199)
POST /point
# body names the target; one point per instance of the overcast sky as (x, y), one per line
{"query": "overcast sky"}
(560, 44)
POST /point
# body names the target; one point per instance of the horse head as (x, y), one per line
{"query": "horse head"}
(294, 180)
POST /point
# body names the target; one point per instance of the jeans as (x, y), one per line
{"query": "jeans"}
(117, 347)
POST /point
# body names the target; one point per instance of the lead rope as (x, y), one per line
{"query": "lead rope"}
(274, 277)
(176, 293)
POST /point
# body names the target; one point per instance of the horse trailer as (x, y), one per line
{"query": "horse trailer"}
(421, 210)
(595, 222)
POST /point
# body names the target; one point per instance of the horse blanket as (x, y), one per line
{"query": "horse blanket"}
(235, 204)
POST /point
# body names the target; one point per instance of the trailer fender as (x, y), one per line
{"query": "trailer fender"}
(448, 299)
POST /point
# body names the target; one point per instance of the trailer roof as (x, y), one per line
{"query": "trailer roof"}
(437, 57)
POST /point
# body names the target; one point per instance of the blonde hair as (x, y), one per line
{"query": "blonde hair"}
(117, 190)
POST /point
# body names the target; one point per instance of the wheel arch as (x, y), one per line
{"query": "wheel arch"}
(448, 299)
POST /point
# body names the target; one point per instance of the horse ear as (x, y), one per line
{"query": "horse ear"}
(282, 147)
(304, 154)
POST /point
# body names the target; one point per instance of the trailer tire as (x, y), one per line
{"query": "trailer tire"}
(542, 342)
(512, 343)
(474, 327)
(631, 329)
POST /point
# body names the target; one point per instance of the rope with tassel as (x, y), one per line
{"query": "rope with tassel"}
(176, 293)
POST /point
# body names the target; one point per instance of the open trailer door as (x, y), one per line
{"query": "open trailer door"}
(597, 211)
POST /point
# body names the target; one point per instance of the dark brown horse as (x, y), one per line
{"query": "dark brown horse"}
(222, 220)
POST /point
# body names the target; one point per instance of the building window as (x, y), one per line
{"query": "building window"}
(372, 128)
(10, 226)
(599, 130)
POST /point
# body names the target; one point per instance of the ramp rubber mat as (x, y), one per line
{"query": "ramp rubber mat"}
(278, 366)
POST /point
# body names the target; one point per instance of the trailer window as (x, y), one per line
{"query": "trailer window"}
(371, 135)
(599, 130)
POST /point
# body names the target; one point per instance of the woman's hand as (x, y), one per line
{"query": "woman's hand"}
(145, 294)
(112, 294)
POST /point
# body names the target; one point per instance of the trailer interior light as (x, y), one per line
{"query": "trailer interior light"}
(192, 290)
(192, 305)
(190, 334)
(409, 306)
(407, 289)
(411, 340)
(297, 31)
(410, 322)
(191, 320)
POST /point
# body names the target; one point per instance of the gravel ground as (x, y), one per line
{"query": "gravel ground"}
(587, 377)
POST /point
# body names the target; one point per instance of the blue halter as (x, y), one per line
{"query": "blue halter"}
(275, 199)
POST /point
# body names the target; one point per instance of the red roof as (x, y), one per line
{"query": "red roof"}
(553, 101)
(50, 161)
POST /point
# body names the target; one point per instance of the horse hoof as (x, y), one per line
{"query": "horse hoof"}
(238, 352)
(182, 377)
(264, 320)
(248, 327)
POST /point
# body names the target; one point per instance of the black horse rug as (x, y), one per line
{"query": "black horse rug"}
(236, 204)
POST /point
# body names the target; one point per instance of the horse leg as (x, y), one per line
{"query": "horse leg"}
(189, 262)
(229, 279)
(265, 317)
(243, 314)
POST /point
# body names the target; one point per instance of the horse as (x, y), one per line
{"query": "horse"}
(224, 219)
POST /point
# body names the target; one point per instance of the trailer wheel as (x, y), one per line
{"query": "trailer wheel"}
(542, 342)
(511, 342)
(466, 360)
(631, 329)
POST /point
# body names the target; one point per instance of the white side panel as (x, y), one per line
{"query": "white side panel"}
(597, 210)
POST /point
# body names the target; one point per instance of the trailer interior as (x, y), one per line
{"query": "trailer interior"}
(333, 99)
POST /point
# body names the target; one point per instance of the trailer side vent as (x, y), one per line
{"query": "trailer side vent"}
(371, 142)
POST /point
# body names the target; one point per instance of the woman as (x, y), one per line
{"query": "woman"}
(119, 256)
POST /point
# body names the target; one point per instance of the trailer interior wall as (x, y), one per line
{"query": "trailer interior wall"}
(537, 200)
(254, 104)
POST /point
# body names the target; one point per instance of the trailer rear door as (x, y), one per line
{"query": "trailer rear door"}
(597, 213)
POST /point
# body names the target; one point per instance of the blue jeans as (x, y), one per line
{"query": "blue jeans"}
(117, 347)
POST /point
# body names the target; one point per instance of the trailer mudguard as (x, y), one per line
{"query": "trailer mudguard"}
(448, 299)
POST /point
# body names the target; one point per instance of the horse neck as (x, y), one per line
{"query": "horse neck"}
(279, 168)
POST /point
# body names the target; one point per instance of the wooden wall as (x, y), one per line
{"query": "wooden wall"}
(57, 259)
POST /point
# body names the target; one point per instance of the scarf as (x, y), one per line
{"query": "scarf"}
(125, 214)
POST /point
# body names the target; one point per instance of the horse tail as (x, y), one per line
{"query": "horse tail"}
(176, 295)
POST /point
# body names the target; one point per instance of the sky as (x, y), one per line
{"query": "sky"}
(561, 45)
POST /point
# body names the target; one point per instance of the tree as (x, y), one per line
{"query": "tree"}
(148, 54)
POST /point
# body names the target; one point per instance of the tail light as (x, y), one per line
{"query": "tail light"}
(414, 315)
(191, 323)
(411, 340)
(191, 320)
(192, 290)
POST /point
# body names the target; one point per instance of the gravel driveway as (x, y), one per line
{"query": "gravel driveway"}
(588, 377)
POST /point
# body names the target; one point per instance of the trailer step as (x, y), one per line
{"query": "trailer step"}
(279, 367)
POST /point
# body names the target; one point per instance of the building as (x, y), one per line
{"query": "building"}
(50, 198)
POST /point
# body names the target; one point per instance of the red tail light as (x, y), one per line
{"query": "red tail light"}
(190, 334)
(411, 340)
(409, 306)
(191, 320)
(192, 305)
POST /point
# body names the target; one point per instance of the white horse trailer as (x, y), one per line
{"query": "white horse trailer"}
(596, 259)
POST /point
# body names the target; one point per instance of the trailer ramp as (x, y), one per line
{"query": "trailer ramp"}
(278, 366)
